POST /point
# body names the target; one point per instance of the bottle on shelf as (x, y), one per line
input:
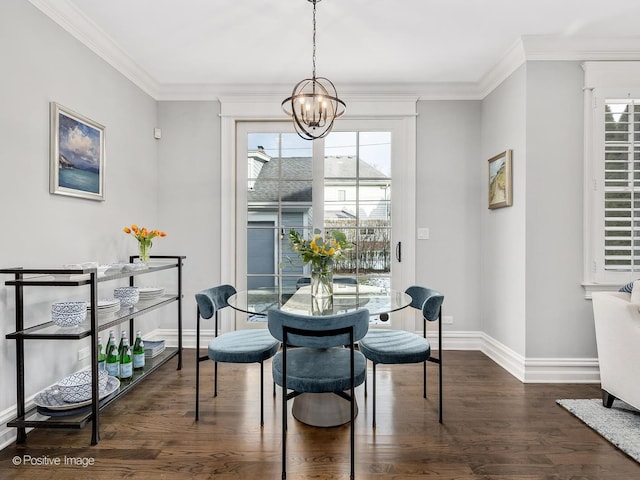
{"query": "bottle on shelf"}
(113, 359)
(123, 337)
(112, 336)
(138, 352)
(126, 361)
(102, 358)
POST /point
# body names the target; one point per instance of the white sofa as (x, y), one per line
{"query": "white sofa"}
(617, 322)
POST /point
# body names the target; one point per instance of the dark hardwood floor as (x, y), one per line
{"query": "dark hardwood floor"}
(494, 428)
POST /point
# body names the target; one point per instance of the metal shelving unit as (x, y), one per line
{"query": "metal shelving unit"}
(25, 278)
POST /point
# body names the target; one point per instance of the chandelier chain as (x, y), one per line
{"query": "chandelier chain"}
(314, 38)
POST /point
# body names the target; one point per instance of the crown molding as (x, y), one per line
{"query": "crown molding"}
(526, 48)
(509, 63)
(93, 37)
(542, 47)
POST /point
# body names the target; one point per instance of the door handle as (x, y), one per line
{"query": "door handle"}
(399, 251)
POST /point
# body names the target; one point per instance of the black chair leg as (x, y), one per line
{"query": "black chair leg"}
(353, 438)
(215, 379)
(197, 385)
(365, 378)
(424, 379)
(284, 434)
(374, 394)
(261, 394)
(440, 388)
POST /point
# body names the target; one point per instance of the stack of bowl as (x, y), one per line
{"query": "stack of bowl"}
(68, 314)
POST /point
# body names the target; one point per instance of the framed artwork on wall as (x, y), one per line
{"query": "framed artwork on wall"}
(77, 155)
(500, 180)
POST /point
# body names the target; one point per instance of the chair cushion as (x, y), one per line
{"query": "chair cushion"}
(394, 346)
(243, 346)
(314, 370)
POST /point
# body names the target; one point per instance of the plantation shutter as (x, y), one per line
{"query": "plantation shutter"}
(622, 185)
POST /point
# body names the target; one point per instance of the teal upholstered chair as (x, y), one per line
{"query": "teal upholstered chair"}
(241, 346)
(398, 346)
(320, 363)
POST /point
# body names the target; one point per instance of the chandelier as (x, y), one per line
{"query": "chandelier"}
(314, 103)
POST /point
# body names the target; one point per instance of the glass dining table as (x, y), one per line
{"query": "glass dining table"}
(321, 409)
(346, 297)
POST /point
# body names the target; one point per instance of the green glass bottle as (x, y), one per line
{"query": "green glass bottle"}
(138, 352)
(123, 337)
(126, 361)
(112, 336)
(113, 359)
(102, 358)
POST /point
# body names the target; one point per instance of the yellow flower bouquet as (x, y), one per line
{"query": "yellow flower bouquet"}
(322, 253)
(144, 237)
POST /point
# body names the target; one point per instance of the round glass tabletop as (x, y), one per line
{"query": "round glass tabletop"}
(345, 298)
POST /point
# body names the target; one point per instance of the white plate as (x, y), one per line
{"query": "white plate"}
(52, 399)
(151, 290)
(105, 303)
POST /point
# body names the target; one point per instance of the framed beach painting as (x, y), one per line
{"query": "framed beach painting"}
(500, 180)
(77, 155)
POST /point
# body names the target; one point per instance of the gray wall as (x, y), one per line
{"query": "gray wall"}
(559, 319)
(189, 173)
(448, 187)
(42, 63)
(502, 231)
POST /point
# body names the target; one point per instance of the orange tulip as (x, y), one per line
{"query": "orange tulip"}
(134, 227)
(127, 230)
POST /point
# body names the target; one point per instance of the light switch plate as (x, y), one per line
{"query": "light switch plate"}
(423, 234)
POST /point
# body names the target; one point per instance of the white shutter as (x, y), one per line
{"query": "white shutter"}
(622, 185)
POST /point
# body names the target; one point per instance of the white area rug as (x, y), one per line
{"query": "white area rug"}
(619, 424)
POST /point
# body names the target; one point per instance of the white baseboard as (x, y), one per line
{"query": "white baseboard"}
(541, 370)
(532, 370)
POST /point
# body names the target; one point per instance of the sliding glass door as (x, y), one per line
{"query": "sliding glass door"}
(343, 182)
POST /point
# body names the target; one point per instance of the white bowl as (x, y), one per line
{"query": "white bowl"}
(68, 314)
(128, 296)
(77, 386)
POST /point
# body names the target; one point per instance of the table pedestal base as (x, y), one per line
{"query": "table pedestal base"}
(322, 409)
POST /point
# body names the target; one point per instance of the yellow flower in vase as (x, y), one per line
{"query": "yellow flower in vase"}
(322, 253)
(144, 237)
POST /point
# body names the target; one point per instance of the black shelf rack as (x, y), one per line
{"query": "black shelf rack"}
(52, 277)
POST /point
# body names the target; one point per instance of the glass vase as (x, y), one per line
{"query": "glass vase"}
(322, 283)
(143, 251)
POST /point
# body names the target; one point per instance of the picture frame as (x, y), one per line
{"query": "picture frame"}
(500, 180)
(77, 149)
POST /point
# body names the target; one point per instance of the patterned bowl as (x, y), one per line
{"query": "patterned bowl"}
(68, 314)
(77, 386)
(128, 296)
(68, 307)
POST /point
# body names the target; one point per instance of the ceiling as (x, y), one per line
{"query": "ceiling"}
(190, 43)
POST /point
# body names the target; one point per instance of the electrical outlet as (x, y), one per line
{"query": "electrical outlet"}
(447, 320)
(84, 353)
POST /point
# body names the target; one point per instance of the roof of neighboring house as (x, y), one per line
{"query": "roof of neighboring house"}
(295, 185)
(297, 177)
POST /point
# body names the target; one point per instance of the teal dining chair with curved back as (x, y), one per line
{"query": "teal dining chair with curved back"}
(319, 363)
(388, 346)
(240, 346)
